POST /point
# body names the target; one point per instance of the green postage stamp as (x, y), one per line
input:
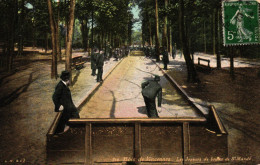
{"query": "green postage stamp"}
(240, 22)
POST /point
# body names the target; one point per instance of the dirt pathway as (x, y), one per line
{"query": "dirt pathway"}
(120, 95)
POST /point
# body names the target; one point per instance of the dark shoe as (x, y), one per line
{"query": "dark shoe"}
(65, 130)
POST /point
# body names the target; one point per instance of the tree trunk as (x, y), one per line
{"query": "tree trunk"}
(130, 32)
(169, 38)
(231, 55)
(205, 38)
(112, 40)
(192, 74)
(214, 31)
(106, 37)
(92, 29)
(102, 39)
(99, 41)
(21, 25)
(165, 28)
(84, 31)
(58, 34)
(169, 29)
(66, 27)
(143, 40)
(46, 42)
(218, 39)
(53, 39)
(157, 43)
(83, 34)
(11, 36)
(150, 34)
(70, 34)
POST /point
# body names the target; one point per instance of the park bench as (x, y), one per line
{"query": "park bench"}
(77, 62)
(203, 68)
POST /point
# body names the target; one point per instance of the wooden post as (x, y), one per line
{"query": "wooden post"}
(185, 141)
(88, 144)
(137, 150)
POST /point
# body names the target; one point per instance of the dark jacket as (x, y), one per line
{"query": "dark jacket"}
(100, 60)
(165, 57)
(93, 60)
(62, 96)
(151, 89)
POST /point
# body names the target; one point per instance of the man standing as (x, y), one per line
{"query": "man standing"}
(93, 61)
(174, 51)
(165, 58)
(151, 89)
(62, 100)
(100, 64)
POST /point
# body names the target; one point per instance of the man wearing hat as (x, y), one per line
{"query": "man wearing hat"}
(165, 58)
(100, 64)
(150, 90)
(62, 100)
(93, 61)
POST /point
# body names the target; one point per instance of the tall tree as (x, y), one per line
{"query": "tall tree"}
(192, 74)
(53, 40)
(70, 34)
(21, 28)
(58, 46)
(218, 37)
(165, 26)
(157, 43)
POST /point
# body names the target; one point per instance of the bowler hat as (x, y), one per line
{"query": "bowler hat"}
(157, 78)
(65, 75)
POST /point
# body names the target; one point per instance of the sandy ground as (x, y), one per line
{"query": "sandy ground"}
(26, 107)
(120, 95)
(27, 112)
(237, 102)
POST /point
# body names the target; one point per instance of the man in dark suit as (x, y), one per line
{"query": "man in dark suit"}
(62, 100)
(93, 61)
(150, 90)
(100, 64)
(165, 58)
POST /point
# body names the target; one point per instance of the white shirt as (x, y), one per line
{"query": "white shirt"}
(64, 82)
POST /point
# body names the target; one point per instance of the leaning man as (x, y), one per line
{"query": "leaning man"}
(63, 102)
(150, 90)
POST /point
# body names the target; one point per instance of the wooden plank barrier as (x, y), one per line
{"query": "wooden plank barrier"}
(138, 141)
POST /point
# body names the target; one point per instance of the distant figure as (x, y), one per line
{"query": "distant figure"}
(165, 58)
(62, 100)
(93, 61)
(100, 64)
(151, 89)
(146, 51)
(174, 51)
(127, 51)
(116, 54)
(152, 52)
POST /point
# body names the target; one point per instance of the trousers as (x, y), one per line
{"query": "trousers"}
(150, 107)
(100, 73)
